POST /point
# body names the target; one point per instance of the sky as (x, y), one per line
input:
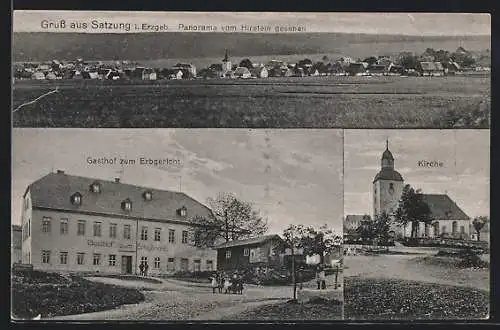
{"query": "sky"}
(291, 176)
(465, 176)
(422, 24)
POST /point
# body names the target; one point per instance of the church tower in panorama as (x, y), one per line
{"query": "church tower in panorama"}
(387, 185)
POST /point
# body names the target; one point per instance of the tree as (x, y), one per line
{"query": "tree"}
(232, 219)
(246, 63)
(479, 224)
(320, 241)
(292, 240)
(412, 209)
(365, 229)
(408, 60)
(381, 228)
(325, 58)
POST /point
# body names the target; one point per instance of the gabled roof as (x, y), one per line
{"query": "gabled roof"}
(249, 241)
(443, 207)
(53, 191)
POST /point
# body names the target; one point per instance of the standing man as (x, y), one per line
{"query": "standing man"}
(322, 278)
(141, 269)
(146, 267)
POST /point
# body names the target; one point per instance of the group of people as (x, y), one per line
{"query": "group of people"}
(225, 283)
(143, 268)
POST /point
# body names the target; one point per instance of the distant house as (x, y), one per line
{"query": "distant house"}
(175, 74)
(451, 68)
(356, 69)
(186, 66)
(242, 72)
(299, 72)
(51, 76)
(90, 75)
(259, 251)
(396, 70)
(229, 74)
(431, 69)
(287, 72)
(38, 75)
(149, 74)
(314, 72)
(378, 70)
(16, 244)
(218, 70)
(259, 72)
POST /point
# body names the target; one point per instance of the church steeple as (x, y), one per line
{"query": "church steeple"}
(387, 161)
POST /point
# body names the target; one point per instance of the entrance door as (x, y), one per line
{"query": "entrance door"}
(126, 264)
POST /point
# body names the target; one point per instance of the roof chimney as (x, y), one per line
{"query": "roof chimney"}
(117, 180)
(60, 172)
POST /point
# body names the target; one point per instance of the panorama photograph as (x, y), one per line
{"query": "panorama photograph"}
(176, 225)
(416, 227)
(256, 70)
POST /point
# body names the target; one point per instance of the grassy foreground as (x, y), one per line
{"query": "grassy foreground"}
(378, 299)
(294, 311)
(50, 294)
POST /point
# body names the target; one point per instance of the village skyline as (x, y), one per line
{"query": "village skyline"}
(301, 183)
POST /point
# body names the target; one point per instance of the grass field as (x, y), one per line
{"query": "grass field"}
(50, 294)
(311, 102)
(392, 299)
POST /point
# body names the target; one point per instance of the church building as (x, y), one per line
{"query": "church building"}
(448, 218)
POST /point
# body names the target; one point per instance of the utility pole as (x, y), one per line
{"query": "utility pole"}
(293, 270)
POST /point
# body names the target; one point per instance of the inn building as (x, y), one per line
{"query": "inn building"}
(79, 224)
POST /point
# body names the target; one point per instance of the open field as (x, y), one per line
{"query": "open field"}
(309, 102)
(418, 286)
(384, 299)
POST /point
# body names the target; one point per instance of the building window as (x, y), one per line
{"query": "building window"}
(127, 205)
(63, 257)
(184, 237)
(246, 252)
(96, 259)
(171, 236)
(76, 199)
(157, 234)
(228, 254)
(81, 228)
(157, 263)
(64, 226)
(454, 228)
(170, 264)
(144, 260)
(148, 195)
(45, 257)
(80, 258)
(97, 229)
(462, 229)
(112, 230)
(126, 231)
(184, 264)
(95, 187)
(182, 211)
(144, 233)
(210, 265)
(112, 260)
(46, 224)
(197, 265)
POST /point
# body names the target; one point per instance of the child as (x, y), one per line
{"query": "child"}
(214, 283)
(227, 285)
